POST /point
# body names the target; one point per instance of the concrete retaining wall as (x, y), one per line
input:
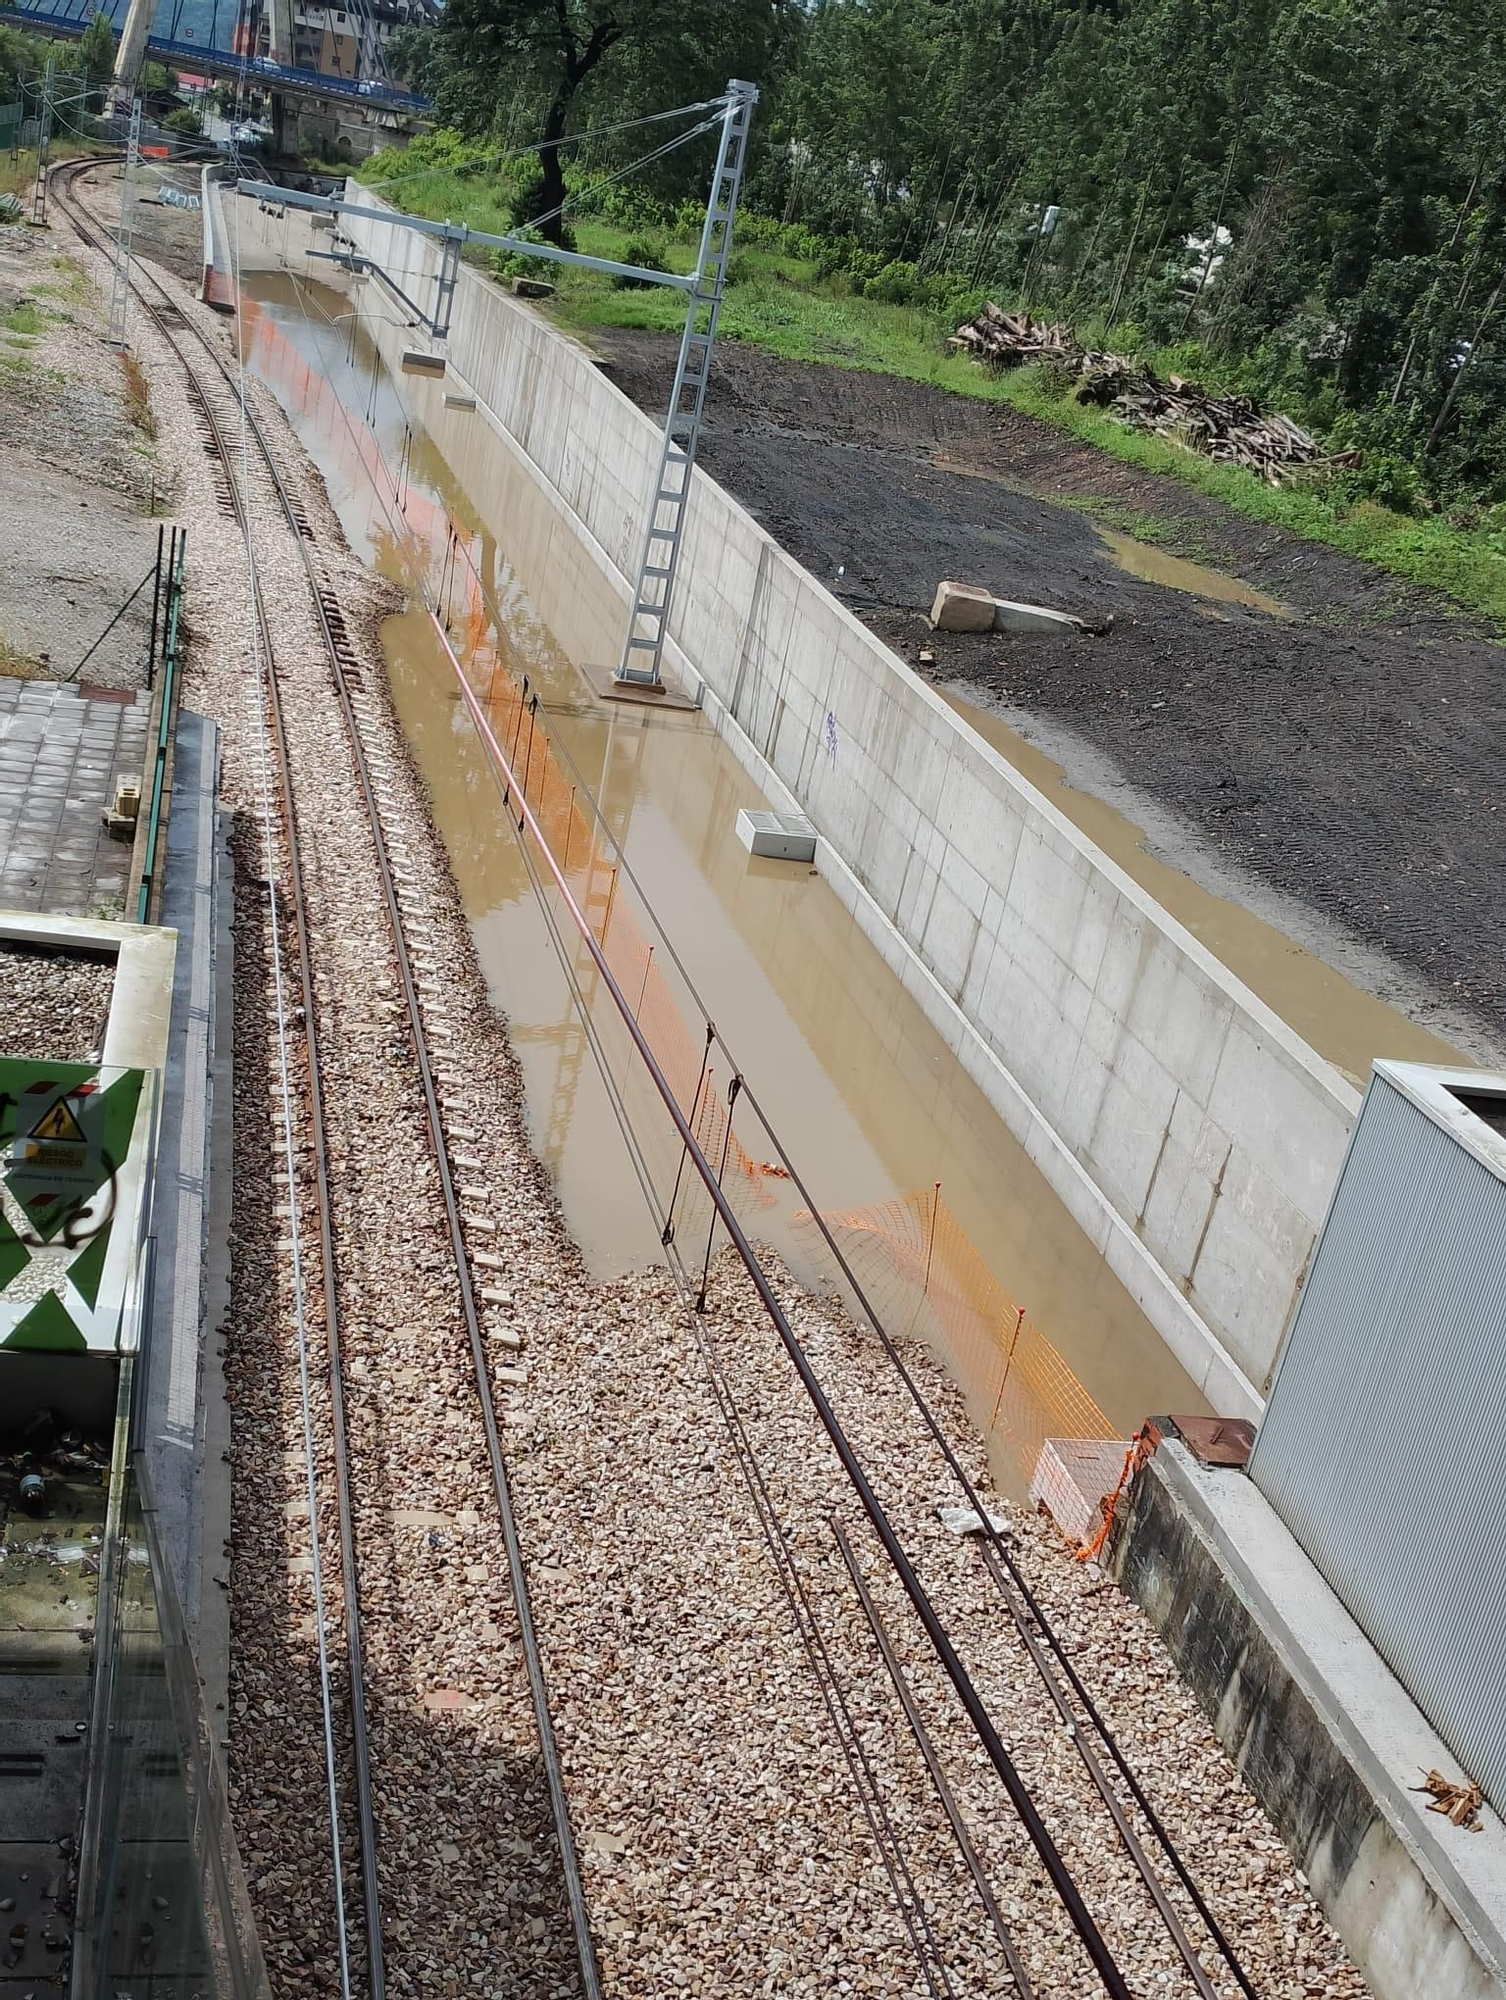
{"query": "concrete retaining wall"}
(1193, 1135)
(1323, 1733)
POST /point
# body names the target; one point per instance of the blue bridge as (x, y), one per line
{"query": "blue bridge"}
(185, 35)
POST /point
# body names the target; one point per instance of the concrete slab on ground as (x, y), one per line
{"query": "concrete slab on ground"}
(63, 750)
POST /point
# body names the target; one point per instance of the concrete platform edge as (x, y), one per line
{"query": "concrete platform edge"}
(1325, 1735)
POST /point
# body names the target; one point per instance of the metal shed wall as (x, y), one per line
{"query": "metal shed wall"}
(1383, 1446)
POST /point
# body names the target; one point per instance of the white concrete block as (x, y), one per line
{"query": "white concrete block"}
(777, 836)
(962, 607)
(951, 931)
(1033, 618)
(1185, 1014)
(1126, 1142)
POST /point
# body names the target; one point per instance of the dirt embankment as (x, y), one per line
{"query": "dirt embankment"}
(1346, 754)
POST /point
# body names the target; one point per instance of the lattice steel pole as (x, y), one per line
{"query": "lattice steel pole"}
(120, 287)
(44, 135)
(643, 650)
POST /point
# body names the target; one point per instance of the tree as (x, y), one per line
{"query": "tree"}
(488, 60)
(96, 55)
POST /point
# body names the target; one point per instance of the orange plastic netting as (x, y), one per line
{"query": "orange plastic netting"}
(926, 1280)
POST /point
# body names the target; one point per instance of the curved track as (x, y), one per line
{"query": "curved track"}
(232, 432)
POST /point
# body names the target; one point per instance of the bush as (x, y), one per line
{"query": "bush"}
(184, 121)
(954, 302)
(1388, 474)
(646, 252)
(893, 285)
(527, 203)
(511, 264)
(444, 148)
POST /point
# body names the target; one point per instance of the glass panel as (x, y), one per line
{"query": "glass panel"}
(163, 1909)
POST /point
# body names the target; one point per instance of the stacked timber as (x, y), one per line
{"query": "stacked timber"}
(1233, 430)
(1007, 340)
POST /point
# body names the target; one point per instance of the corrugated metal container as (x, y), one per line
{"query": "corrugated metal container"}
(1383, 1445)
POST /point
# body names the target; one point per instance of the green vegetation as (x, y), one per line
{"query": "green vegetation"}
(86, 64)
(72, 285)
(1304, 200)
(780, 301)
(23, 318)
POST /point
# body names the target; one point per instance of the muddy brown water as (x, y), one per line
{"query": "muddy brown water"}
(1347, 1025)
(866, 1096)
(1155, 565)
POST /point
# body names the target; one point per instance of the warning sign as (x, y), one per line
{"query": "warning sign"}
(71, 1189)
(58, 1122)
(69, 1138)
(57, 1162)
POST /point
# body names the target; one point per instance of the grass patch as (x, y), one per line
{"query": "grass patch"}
(18, 176)
(18, 666)
(778, 303)
(24, 318)
(71, 285)
(138, 397)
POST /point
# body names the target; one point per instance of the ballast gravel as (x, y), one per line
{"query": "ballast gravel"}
(731, 1801)
(53, 1004)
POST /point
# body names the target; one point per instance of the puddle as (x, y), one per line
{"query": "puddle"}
(1343, 1023)
(1155, 565)
(865, 1094)
(1137, 558)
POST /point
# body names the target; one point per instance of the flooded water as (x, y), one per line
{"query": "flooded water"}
(866, 1097)
(1144, 559)
(1340, 1020)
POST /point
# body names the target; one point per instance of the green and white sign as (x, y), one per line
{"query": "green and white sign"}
(73, 1145)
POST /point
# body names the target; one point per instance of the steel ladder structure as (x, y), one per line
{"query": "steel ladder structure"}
(653, 590)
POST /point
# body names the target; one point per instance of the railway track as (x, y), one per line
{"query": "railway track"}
(252, 487)
(1134, 1819)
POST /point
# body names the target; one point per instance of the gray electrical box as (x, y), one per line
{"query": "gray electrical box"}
(1383, 1445)
(777, 836)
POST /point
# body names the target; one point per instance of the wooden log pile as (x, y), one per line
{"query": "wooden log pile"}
(1233, 430)
(1008, 340)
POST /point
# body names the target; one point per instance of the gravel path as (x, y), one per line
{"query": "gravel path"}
(81, 471)
(724, 1846)
(53, 1004)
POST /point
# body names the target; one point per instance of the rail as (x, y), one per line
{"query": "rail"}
(517, 789)
(558, 810)
(160, 305)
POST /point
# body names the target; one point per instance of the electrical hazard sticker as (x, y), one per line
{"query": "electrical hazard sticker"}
(58, 1124)
(66, 1147)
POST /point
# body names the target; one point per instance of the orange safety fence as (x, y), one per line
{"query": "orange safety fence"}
(438, 550)
(926, 1280)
